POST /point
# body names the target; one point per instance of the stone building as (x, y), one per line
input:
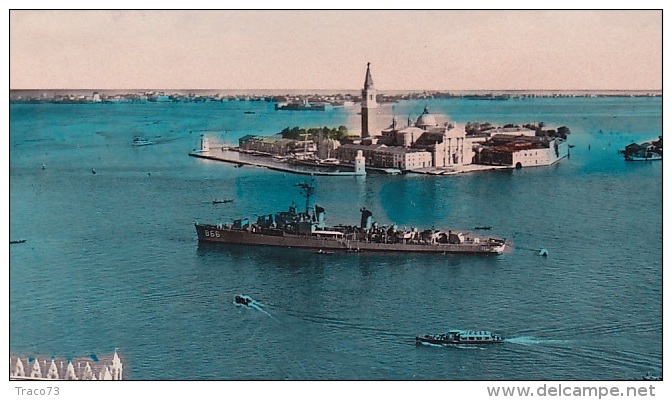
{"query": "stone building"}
(521, 151)
(275, 145)
(402, 158)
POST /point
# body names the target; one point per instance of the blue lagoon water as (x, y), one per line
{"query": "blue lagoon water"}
(112, 259)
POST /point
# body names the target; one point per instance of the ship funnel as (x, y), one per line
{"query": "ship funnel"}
(367, 219)
(319, 213)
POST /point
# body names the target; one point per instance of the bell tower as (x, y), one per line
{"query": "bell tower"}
(369, 106)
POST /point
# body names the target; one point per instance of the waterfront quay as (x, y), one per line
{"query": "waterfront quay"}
(235, 156)
(238, 158)
(463, 169)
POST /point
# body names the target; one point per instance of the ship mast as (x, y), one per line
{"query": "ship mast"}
(307, 189)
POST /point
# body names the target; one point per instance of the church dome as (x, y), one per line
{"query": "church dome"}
(426, 120)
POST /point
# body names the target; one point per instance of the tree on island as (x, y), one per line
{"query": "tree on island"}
(539, 130)
(475, 128)
(563, 131)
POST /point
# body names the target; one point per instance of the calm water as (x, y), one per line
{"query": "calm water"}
(112, 261)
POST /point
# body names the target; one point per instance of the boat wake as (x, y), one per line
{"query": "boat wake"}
(528, 340)
(243, 300)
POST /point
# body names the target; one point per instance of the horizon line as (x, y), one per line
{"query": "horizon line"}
(356, 90)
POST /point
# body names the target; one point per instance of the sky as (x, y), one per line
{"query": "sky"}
(408, 50)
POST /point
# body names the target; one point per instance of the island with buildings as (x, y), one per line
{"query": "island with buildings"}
(421, 145)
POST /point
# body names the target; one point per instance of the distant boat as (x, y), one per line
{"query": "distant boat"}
(325, 253)
(249, 112)
(485, 228)
(222, 201)
(329, 161)
(648, 151)
(140, 141)
(304, 106)
(489, 96)
(238, 165)
(17, 241)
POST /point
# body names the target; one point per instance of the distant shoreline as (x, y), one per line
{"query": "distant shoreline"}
(327, 96)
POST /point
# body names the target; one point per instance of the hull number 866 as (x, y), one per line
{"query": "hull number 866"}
(211, 233)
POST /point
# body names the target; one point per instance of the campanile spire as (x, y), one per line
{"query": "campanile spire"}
(369, 106)
(368, 81)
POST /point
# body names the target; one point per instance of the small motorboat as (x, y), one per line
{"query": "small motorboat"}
(222, 201)
(242, 300)
(329, 161)
(17, 241)
(140, 141)
(324, 252)
(484, 228)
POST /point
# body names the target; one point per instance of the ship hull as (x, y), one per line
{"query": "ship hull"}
(432, 341)
(220, 234)
(653, 157)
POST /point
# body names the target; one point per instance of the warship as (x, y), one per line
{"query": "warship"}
(306, 229)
